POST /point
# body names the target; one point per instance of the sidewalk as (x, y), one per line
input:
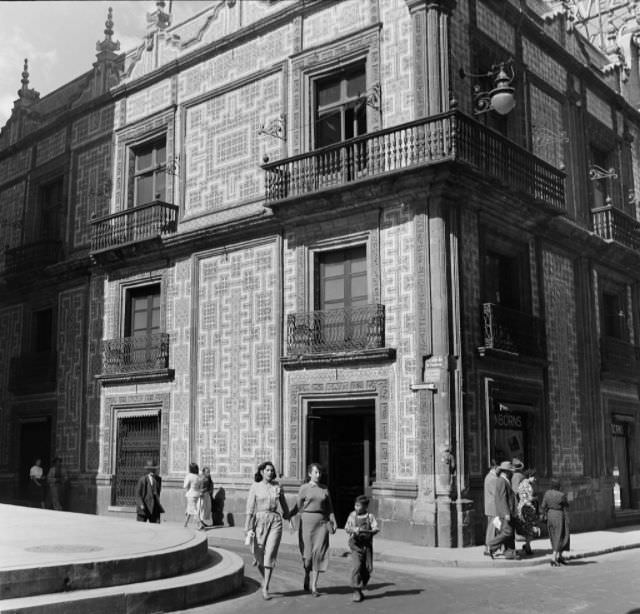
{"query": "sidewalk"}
(390, 551)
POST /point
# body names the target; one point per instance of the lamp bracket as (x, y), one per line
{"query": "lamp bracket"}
(276, 127)
(597, 173)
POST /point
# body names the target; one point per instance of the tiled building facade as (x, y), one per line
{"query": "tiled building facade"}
(290, 231)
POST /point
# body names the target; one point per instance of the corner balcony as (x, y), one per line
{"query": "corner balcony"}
(132, 231)
(31, 257)
(33, 373)
(511, 332)
(613, 225)
(619, 359)
(336, 335)
(448, 137)
(130, 359)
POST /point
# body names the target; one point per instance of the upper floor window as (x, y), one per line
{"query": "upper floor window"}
(601, 160)
(149, 172)
(50, 199)
(503, 284)
(341, 280)
(142, 317)
(339, 107)
(613, 315)
(42, 330)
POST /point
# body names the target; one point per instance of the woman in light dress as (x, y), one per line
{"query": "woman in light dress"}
(206, 498)
(266, 506)
(193, 485)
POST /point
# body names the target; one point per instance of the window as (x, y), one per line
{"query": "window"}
(51, 203)
(149, 172)
(142, 326)
(340, 109)
(42, 330)
(613, 316)
(601, 187)
(502, 280)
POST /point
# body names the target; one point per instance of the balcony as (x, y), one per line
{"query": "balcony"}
(508, 331)
(448, 137)
(346, 334)
(142, 357)
(33, 373)
(611, 224)
(619, 359)
(31, 257)
(129, 231)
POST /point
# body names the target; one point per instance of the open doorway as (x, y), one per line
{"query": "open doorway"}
(341, 437)
(35, 442)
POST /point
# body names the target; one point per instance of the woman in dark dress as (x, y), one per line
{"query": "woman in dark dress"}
(316, 520)
(554, 509)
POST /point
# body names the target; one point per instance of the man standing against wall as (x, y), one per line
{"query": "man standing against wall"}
(148, 508)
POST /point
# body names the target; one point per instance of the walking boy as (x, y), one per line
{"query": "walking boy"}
(361, 527)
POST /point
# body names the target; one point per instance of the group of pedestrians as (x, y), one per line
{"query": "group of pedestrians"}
(267, 508)
(511, 509)
(47, 490)
(199, 487)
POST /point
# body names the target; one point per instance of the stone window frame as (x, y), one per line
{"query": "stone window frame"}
(304, 393)
(134, 136)
(311, 64)
(125, 287)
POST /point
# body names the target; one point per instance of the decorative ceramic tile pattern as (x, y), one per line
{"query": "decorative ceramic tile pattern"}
(562, 348)
(496, 27)
(50, 147)
(599, 109)
(92, 189)
(542, 65)
(11, 208)
(92, 125)
(345, 17)
(398, 286)
(396, 64)
(10, 338)
(149, 100)
(71, 365)
(238, 363)
(15, 165)
(228, 66)
(547, 128)
(223, 149)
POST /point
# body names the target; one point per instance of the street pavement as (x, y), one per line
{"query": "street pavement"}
(603, 584)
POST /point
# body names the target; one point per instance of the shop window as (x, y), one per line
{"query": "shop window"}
(149, 172)
(339, 106)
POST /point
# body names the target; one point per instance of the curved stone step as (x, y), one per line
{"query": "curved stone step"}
(222, 575)
(47, 552)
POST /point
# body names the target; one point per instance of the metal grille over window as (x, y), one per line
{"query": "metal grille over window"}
(138, 440)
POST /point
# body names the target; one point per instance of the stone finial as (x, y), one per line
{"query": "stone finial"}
(27, 94)
(108, 45)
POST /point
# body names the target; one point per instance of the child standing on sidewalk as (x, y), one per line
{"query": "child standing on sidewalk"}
(361, 527)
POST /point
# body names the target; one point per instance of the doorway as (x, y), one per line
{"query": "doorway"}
(35, 442)
(341, 437)
(620, 446)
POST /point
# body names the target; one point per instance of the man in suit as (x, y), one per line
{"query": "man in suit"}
(505, 501)
(490, 503)
(148, 508)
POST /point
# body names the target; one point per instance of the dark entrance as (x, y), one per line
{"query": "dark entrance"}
(620, 446)
(138, 441)
(341, 436)
(35, 442)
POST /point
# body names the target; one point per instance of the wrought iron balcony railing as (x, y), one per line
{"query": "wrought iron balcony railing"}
(135, 354)
(512, 331)
(336, 330)
(31, 256)
(143, 223)
(611, 224)
(619, 359)
(33, 372)
(450, 136)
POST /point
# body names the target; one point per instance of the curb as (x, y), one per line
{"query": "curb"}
(484, 563)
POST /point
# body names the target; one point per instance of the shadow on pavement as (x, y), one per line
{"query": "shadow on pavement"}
(398, 593)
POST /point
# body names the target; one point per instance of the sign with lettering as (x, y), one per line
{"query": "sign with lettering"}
(507, 421)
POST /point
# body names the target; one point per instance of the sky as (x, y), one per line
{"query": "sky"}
(59, 38)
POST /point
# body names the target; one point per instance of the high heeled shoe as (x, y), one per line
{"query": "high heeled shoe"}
(563, 561)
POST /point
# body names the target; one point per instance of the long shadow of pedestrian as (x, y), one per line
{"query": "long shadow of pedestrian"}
(574, 562)
(397, 593)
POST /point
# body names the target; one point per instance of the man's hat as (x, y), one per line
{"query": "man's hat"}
(517, 464)
(505, 466)
(150, 465)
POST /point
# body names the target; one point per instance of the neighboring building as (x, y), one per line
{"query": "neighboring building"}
(300, 231)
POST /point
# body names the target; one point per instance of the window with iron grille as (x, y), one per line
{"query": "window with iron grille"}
(138, 440)
(149, 172)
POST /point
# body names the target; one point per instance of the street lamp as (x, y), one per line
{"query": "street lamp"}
(501, 98)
